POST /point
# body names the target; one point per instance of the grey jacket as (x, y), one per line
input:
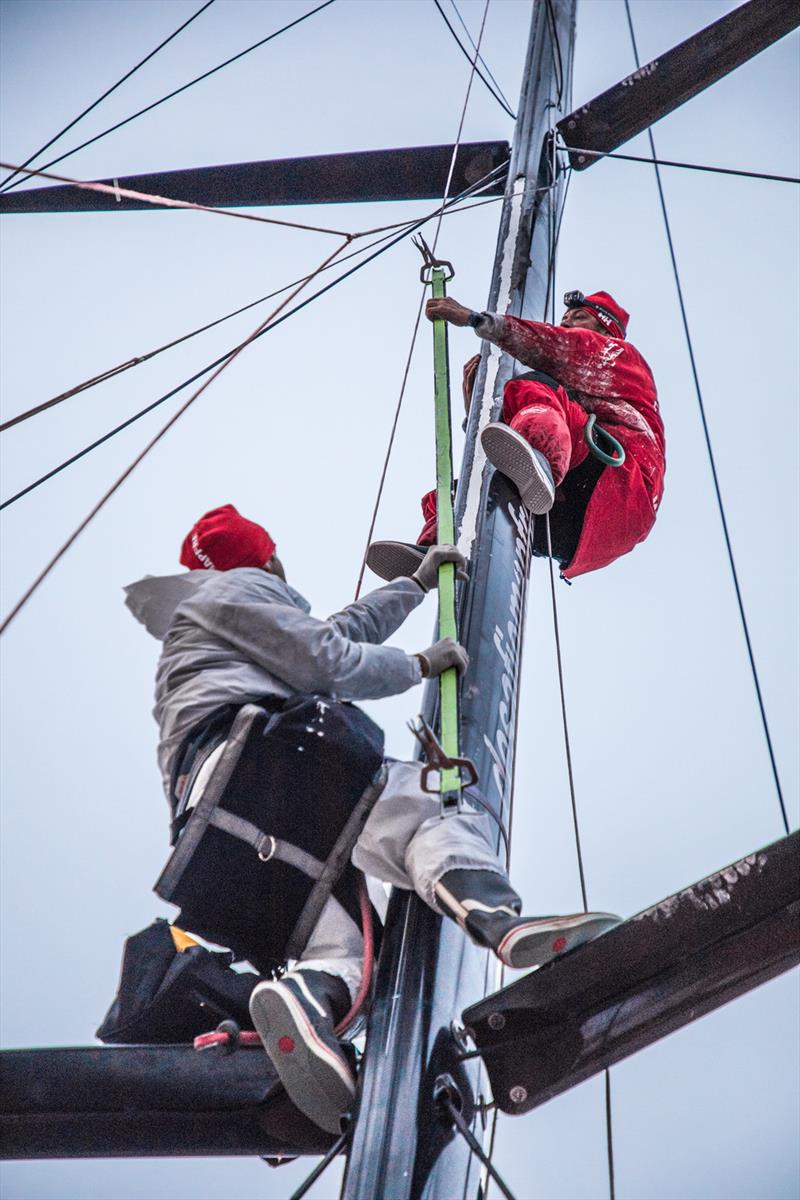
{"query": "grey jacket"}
(230, 637)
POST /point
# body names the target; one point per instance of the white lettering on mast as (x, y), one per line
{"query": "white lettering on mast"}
(507, 644)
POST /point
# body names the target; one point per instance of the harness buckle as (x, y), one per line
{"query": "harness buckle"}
(266, 839)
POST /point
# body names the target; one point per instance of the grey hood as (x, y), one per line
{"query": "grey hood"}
(230, 637)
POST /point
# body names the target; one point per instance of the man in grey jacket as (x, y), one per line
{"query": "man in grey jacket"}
(235, 632)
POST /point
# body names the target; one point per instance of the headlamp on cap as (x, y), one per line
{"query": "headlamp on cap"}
(614, 321)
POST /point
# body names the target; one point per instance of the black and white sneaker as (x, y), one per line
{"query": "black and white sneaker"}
(295, 1018)
(487, 908)
(394, 560)
(526, 467)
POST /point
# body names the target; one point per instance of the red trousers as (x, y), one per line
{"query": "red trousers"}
(621, 509)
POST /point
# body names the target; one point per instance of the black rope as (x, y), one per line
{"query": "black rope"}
(177, 91)
(105, 94)
(210, 367)
(612, 1186)
(668, 162)
(567, 747)
(477, 1149)
(558, 61)
(322, 1165)
(500, 100)
(137, 360)
(481, 59)
(712, 463)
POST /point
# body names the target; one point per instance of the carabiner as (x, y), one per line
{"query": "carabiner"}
(615, 459)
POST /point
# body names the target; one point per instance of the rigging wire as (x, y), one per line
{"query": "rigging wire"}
(407, 368)
(137, 360)
(667, 162)
(710, 451)
(481, 59)
(227, 360)
(204, 371)
(558, 61)
(501, 100)
(556, 234)
(106, 94)
(177, 91)
(114, 189)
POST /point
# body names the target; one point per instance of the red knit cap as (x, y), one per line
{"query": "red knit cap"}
(222, 540)
(614, 317)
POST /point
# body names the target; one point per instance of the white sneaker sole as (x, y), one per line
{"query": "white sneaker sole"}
(393, 560)
(317, 1079)
(508, 451)
(537, 942)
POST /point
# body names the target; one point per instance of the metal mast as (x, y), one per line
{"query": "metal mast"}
(428, 971)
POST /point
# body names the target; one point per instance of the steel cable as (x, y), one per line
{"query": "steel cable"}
(137, 360)
(667, 162)
(711, 459)
(409, 357)
(228, 359)
(114, 189)
(481, 59)
(105, 95)
(199, 374)
(177, 91)
(495, 94)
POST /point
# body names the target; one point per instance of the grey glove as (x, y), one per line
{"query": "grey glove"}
(441, 655)
(427, 573)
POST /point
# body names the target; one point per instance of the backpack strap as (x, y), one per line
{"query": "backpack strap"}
(336, 862)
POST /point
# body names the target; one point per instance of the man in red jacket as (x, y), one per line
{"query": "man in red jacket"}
(581, 435)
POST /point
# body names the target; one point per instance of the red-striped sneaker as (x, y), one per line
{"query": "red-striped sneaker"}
(488, 909)
(295, 1018)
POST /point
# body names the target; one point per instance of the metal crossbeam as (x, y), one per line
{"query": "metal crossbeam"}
(661, 86)
(125, 1101)
(665, 967)
(413, 173)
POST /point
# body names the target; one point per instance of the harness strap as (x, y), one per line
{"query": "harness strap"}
(265, 845)
(335, 863)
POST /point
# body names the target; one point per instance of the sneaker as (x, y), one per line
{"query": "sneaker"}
(295, 1018)
(522, 464)
(487, 908)
(393, 560)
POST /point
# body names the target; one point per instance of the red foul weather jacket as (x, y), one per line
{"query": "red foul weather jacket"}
(608, 377)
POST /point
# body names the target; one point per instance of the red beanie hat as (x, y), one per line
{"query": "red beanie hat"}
(222, 540)
(605, 309)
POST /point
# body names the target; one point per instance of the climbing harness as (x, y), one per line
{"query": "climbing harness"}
(443, 757)
(238, 824)
(615, 457)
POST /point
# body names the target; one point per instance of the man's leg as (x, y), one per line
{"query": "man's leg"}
(390, 560)
(450, 863)
(296, 1016)
(538, 441)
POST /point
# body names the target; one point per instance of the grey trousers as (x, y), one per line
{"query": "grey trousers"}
(407, 843)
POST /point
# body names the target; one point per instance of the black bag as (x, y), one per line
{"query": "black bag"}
(274, 828)
(167, 995)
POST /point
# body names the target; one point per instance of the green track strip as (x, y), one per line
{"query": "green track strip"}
(445, 533)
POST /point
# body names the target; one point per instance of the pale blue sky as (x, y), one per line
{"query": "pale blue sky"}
(294, 434)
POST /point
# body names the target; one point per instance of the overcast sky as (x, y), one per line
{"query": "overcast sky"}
(672, 774)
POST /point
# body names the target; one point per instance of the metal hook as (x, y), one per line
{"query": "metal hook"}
(429, 261)
(437, 760)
